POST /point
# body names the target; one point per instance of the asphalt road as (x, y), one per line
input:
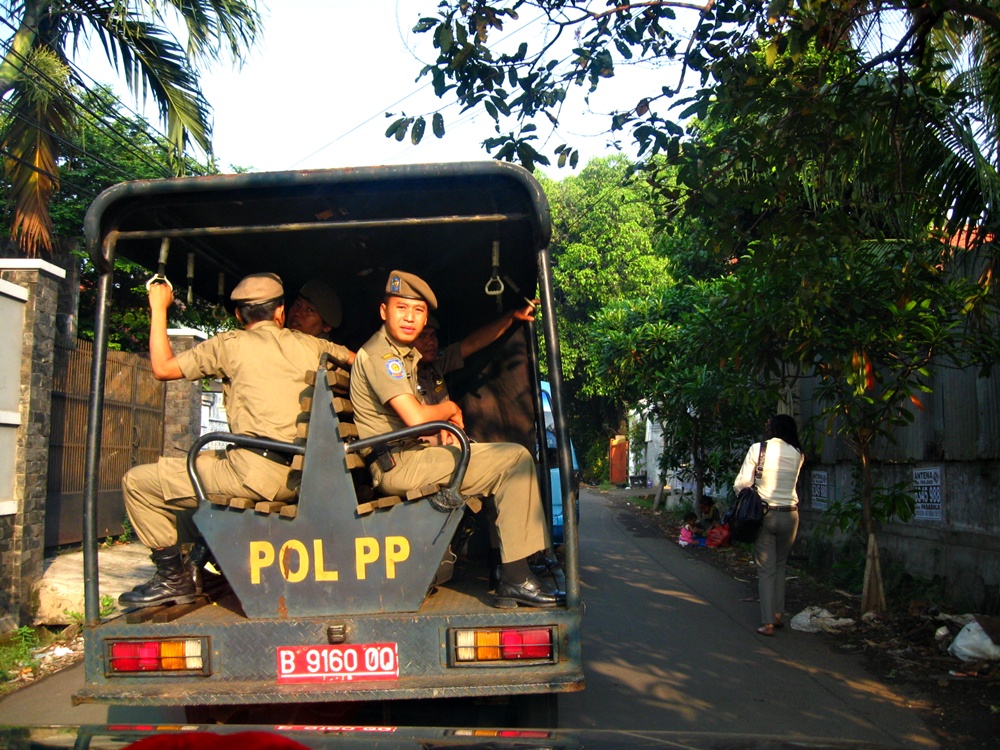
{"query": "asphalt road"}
(669, 644)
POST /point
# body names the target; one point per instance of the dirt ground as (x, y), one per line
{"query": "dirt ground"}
(900, 649)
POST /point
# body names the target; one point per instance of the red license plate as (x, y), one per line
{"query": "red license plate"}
(341, 663)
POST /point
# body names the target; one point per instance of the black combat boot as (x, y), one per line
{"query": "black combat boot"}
(195, 564)
(171, 584)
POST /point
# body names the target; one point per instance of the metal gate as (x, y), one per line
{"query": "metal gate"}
(132, 434)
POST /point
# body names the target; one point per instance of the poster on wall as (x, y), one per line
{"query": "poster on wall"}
(820, 490)
(927, 493)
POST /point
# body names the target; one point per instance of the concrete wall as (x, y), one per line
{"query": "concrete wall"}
(955, 537)
(182, 407)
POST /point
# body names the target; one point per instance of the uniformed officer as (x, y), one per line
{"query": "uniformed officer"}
(436, 363)
(263, 369)
(384, 395)
(432, 388)
(316, 310)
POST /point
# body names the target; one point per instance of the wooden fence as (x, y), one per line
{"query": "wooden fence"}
(132, 434)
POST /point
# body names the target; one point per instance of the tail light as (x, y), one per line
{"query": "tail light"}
(157, 655)
(478, 645)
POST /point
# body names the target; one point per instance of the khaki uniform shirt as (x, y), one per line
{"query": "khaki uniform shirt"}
(383, 369)
(263, 373)
(431, 384)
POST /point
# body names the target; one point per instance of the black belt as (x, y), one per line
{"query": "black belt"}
(270, 455)
(782, 508)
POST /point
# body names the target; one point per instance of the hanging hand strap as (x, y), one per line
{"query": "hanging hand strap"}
(494, 287)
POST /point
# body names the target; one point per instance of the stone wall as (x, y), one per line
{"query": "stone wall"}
(24, 530)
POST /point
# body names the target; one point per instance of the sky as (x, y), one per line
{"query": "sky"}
(315, 90)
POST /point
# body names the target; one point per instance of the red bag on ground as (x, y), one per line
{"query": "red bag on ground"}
(717, 537)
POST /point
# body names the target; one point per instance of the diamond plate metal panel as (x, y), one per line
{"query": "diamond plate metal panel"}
(244, 666)
(328, 560)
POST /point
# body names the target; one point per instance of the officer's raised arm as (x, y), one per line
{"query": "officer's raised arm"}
(161, 354)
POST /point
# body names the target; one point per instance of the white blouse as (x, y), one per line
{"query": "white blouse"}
(782, 463)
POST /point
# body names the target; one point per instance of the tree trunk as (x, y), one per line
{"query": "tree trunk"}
(659, 496)
(873, 591)
(20, 47)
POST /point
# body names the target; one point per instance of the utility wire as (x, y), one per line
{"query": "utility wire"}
(81, 73)
(416, 91)
(62, 181)
(70, 146)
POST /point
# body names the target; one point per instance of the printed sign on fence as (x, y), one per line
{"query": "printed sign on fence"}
(820, 490)
(927, 493)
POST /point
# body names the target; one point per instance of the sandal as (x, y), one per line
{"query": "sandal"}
(778, 623)
(767, 630)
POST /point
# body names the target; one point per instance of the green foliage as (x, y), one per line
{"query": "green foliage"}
(15, 652)
(887, 504)
(128, 321)
(818, 191)
(595, 467)
(128, 533)
(657, 350)
(108, 607)
(605, 248)
(38, 82)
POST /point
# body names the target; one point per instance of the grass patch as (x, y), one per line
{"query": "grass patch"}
(15, 652)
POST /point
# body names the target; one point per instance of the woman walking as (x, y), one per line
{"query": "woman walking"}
(783, 459)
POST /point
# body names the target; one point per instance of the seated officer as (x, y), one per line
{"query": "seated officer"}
(434, 365)
(263, 370)
(384, 394)
(316, 310)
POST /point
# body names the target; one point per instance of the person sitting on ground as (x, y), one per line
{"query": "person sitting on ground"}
(263, 370)
(691, 536)
(710, 516)
(385, 399)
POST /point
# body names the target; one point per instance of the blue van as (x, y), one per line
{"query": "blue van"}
(555, 484)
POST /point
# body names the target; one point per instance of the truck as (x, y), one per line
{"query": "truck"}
(337, 600)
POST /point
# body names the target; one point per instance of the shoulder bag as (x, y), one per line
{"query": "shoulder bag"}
(746, 516)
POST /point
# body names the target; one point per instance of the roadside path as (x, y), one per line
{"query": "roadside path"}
(670, 644)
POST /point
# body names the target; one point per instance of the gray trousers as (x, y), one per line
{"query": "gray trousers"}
(770, 552)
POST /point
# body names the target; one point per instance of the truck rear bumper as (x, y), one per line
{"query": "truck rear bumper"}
(242, 663)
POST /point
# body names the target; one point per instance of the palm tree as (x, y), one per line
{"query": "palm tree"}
(37, 77)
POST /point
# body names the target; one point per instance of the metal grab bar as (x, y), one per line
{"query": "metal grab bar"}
(240, 440)
(446, 499)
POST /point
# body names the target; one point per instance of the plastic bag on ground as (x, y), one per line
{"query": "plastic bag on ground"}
(973, 642)
(815, 619)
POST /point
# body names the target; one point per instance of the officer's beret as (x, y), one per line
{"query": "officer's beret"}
(432, 322)
(325, 300)
(408, 285)
(258, 288)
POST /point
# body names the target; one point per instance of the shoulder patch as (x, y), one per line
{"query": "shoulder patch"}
(395, 368)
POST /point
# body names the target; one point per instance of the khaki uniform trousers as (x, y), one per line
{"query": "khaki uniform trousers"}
(160, 498)
(504, 470)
